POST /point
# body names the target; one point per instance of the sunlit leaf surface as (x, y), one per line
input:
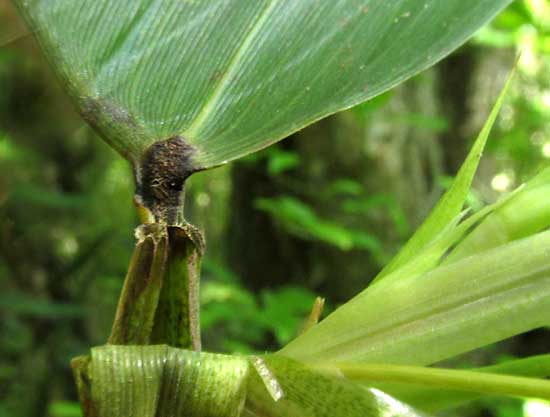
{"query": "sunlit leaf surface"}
(524, 213)
(452, 309)
(233, 76)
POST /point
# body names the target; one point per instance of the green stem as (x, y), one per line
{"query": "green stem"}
(159, 303)
(138, 301)
(177, 317)
(447, 378)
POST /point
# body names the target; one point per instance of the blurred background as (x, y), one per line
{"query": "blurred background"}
(318, 214)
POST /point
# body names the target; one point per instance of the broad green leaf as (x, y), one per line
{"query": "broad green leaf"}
(433, 399)
(299, 219)
(233, 76)
(450, 310)
(304, 392)
(450, 205)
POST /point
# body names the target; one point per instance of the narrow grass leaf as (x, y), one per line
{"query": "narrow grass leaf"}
(433, 253)
(432, 399)
(452, 201)
(523, 214)
(450, 310)
(464, 380)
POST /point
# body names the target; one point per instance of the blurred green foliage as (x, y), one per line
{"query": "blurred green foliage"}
(523, 145)
(64, 409)
(237, 320)
(299, 219)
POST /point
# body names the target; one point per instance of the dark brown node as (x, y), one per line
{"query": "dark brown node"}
(165, 166)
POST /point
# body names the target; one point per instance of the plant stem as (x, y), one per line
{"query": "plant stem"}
(140, 294)
(177, 317)
(159, 302)
(447, 379)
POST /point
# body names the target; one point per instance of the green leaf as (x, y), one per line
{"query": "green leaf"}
(465, 380)
(280, 161)
(299, 219)
(522, 214)
(343, 187)
(159, 381)
(234, 76)
(303, 392)
(42, 197)
(64, 409)
(18, 303)
(450, 205)
(419, 320)
(432, 254)
(283, 311)
(433, 399)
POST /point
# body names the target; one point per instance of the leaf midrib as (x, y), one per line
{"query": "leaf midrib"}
(234, 65)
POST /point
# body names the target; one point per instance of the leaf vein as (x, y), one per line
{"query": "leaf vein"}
(232, 68)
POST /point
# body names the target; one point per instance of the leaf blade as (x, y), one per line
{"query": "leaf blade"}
(433, 399)
(422, 321)
(308, 392)
(464, 380)
(450, 205)
(524, 213)
(157, 381)
(231, 76)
